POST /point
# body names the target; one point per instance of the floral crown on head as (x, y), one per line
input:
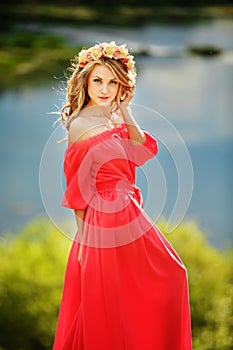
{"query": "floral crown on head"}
(110, 50)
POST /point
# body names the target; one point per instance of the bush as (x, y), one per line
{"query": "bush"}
(210, 287)
(32, 266)
(31, 275)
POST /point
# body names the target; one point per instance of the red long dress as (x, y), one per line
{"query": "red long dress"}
(130, 291)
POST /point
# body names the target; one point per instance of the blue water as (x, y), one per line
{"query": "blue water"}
(194, 94)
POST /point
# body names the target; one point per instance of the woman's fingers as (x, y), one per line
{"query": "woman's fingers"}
(129, 95)
(80, 253)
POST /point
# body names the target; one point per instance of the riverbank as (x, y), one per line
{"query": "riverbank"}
(115, 16)
(29, 56)
(32, 58)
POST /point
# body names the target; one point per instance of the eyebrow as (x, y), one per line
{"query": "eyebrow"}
(96, 76)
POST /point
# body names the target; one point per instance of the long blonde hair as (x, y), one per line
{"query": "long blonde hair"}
(76, 92)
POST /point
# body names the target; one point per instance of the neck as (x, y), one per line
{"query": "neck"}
(100, 111)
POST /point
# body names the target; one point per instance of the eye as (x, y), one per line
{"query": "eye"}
(113, 82)
(97, 80)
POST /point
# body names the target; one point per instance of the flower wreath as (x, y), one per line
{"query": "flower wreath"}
(110, 50)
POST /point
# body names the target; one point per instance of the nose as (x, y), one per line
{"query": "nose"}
(104, 88)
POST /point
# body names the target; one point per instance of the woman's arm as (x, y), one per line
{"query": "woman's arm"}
(135, 132)
(80, 215)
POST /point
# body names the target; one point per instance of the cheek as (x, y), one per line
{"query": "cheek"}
(114, 89)
(91, 89)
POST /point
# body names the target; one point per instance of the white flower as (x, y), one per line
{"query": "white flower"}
(123, 52)
(95, 51)
(131, 76)
(131, 63)
(82, 57)
(109, 49)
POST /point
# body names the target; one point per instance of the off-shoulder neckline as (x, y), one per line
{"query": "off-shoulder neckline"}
(96, 137)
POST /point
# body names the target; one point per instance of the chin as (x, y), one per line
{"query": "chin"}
(104, 104)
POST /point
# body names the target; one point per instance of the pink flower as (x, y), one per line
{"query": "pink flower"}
(82, 64)
(117, 54)
(125, 60)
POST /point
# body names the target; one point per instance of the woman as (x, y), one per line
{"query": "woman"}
(125, 286)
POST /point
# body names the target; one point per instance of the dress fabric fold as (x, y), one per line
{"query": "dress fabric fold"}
(130, 291)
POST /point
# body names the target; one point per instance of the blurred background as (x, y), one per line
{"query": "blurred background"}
(184, 57)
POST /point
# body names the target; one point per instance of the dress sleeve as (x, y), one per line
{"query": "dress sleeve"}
(77, 170)
(140, 153)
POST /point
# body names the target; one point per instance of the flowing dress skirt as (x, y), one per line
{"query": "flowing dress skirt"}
(128, 293)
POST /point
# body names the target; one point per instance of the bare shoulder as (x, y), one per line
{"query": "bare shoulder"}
(82, 128)
(75, 130)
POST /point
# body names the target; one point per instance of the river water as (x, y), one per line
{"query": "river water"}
(185, 101)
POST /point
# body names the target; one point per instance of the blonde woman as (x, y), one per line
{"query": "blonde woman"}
(125, 287)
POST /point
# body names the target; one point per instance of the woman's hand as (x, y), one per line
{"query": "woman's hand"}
(136, 134)
(129, 93)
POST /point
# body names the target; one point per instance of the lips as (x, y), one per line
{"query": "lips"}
(104, 98)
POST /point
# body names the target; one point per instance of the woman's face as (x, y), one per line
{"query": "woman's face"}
(102, 86)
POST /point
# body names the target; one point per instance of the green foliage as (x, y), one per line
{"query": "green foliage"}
(29, 58)
(31, 277)
(31, 40)
(211, 291)
(32, 266)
